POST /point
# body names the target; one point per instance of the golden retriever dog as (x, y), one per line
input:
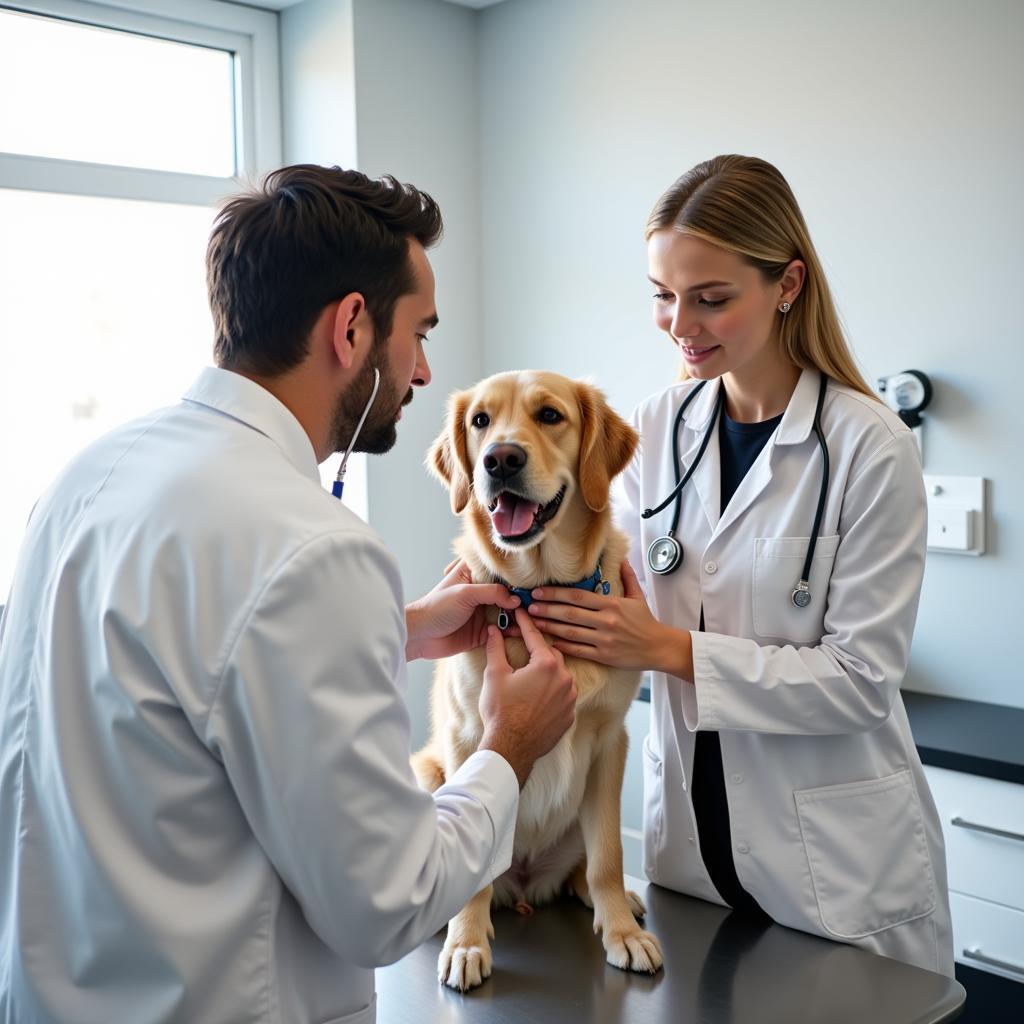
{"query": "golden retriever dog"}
(528, 458)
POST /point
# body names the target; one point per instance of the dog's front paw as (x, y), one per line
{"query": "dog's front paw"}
(464, 967)
(633, 950)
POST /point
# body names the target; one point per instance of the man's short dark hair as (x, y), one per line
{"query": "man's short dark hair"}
(305, 237)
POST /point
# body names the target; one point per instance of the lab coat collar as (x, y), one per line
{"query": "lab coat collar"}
(253, 405)
(698, 415)
(794, 428)
(797, 421)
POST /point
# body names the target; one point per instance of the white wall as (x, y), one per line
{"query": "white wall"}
(899, 127)
(318, 108)
(547, 128)
(319, 126)
(390, 86)
(416, 96)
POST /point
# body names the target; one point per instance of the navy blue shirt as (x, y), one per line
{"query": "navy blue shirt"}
(739, 445)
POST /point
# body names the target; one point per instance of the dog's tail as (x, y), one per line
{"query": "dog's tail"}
(429, 770)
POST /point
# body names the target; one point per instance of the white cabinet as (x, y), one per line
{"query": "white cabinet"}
(988, 936)
(983, 825)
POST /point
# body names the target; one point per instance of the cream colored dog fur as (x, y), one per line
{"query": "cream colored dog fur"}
(568, 829)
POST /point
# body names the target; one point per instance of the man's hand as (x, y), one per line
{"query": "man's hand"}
(527, 711)
(452, 618)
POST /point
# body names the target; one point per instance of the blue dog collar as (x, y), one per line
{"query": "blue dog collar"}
(595, 583)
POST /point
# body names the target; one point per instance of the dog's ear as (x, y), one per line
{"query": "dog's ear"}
(448, 458)
(606, 446)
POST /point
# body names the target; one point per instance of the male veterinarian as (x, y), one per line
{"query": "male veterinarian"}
(206, 808)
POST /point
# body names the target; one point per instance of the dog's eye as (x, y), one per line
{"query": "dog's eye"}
(549, 415)
(481, 420)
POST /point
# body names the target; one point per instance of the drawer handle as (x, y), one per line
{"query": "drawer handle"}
(960, 823)
(976, 954)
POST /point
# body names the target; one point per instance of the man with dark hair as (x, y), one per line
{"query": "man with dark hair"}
(206, 808)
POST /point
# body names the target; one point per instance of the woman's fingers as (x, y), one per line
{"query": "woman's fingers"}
(565, 613)
(513, 632)
(630, 581)
(578, 634)
(570, 595)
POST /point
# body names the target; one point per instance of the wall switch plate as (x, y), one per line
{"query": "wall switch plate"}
(956, 514)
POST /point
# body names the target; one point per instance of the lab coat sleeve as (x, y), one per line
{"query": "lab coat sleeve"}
(311, 725)
(847, 682)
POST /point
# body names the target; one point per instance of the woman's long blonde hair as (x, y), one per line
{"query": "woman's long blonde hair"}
(744, 205)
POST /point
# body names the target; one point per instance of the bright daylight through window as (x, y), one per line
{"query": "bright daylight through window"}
(120, 130)
(103, 317)
(83, 93)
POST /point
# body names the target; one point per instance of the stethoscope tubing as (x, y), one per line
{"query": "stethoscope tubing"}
(680, 484)
(801, 596)
(338, 489)
(819, 513)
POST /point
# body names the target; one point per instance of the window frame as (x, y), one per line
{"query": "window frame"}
(251, 35)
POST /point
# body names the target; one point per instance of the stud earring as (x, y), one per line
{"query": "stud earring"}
(785, 307)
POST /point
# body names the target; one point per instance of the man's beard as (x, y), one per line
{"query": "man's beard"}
(380, 431)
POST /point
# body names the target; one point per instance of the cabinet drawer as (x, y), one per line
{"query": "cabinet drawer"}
(985, 848)
(989, 932)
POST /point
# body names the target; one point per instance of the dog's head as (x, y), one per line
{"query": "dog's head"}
(525, 445)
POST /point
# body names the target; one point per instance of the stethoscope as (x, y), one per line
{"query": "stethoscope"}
(339, 484)
(665, 555)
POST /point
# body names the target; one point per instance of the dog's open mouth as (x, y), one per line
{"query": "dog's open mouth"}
(515, 518)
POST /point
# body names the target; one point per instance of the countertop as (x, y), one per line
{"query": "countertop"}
(963, 735)
(968, 736)
(718, 970)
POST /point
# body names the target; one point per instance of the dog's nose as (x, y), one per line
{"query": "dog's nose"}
(504, 460)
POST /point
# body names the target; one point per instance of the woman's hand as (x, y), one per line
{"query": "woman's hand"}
(452, 617)
(617, 631)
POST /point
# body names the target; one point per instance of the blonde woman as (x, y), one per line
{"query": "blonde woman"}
(776, 584)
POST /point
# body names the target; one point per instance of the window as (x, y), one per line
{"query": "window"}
(173, 100)
(119, 132)
(84, 93)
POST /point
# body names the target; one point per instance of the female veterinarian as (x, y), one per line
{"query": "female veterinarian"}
(775, 591)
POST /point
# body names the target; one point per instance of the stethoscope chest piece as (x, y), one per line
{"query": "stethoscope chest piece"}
(664, 555)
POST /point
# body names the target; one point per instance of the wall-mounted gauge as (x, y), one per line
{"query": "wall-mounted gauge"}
(906, 393)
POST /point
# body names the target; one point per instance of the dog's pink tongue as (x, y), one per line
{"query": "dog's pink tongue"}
(513, 516)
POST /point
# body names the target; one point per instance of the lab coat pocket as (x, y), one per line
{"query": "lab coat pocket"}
(778, 564)
(867, 854)
(654, 797)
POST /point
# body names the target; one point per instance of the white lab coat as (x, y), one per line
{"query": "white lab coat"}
(834, 830)
(206, 807)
